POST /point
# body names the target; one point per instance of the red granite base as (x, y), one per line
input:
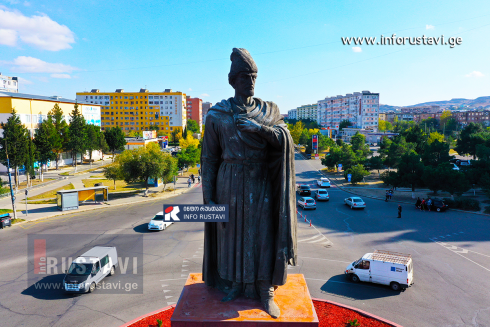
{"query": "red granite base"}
(201, 306)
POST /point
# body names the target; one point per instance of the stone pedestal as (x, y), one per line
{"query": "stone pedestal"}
(201, 306)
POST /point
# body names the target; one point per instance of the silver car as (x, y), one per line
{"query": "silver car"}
(355, 202)
(322, 195)
(307, 203)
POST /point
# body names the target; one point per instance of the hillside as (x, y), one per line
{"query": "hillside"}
(456, 102)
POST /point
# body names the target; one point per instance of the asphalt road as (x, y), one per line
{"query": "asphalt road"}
(451, 253)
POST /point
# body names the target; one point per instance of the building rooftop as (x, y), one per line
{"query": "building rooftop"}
(54, 98)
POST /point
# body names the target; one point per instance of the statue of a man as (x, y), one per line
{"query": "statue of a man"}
(248, 162)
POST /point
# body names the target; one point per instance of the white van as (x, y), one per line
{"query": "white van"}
(383, 267)
(90, 268)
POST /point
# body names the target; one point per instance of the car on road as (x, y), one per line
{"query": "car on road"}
(307, 203)
(438, 205)
(355, 202)
(5, 220)
(303, 189)
(383, 267)
(323, 182)
(322, 195)
(158, 223)
(90, 268)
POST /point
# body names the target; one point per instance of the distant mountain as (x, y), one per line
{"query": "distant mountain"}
(385, 107)
(457, 102)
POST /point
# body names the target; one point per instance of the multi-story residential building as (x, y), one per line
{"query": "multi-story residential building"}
(421, 109)
(138, 111)
(293, 114)
(205, 107)
(382, 116)
(34, 109)
(308, 111)
(390, 116)
(360, 108)
(194, 110)
(9, 84)
(466, 117)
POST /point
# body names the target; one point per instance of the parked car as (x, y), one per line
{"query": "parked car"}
(303, 189)
(383, 267)
(355, 202)
(158, 223)
(322, 195)
(323, 182)
(438, 205)
(307, 203)
(90, 268)
(5, 220)
(308, 156)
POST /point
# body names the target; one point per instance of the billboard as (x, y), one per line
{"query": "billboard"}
(149, 135)
(314, 141)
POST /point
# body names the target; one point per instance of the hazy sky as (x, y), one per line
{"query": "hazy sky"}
(64, 47)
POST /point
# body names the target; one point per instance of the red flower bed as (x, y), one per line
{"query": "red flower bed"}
(329, 315)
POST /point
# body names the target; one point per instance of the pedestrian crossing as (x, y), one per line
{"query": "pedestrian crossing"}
(316, 239)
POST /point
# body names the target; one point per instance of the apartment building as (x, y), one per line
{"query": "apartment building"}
(9, 84)
(421, 109)
(293, 114)
(360, 108)
(308, 111)
(466, 117)
(33, 110)
(194, 110)
(205, 107)
(138, 111)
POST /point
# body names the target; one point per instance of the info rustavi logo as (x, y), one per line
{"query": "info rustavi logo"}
(196, 212)
(171, 213)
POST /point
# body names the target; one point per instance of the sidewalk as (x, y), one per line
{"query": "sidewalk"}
(44, 211)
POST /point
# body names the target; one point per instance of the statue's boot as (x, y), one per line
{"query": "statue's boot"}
(266, 291)
(235, 291)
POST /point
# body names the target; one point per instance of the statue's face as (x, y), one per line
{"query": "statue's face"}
(245, 84)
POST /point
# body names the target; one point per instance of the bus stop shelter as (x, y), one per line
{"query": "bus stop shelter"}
(70, 199)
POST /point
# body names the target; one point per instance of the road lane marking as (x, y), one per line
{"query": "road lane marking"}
(309, 239)
(459, 253)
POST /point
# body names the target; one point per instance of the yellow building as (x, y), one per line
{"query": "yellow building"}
(33, 109)
(138, 111)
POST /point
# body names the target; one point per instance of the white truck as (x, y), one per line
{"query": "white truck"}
(90, 268)
(383, 267)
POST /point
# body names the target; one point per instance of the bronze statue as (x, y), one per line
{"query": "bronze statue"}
(248, 162)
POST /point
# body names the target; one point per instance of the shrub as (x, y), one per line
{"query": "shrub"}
(463, 204)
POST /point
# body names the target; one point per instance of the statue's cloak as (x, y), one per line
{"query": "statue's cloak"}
(280, 165)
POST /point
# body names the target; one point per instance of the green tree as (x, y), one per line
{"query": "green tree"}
(192, 126)
(102, 145)
(184, 133)
(433, 177)
(114, 173)
(454, 182)
(296, 131)
(359, 146)
(465, 143)
(170, 169)
(397, 148)
(43, 141)
(15, 139)
(189, 156)
(410, 170)
(142, 164)
(376, 163)
(358, 173)
(60, 138)
(391, 178)
(176, 135)
(115, 140)
(436, 153)
(78, 134)
(416, 135)
(153, 128)
(332, 159)
(384, 126)
(30, 159)
(429, 124)
(93, 142)
(344, 124)
(325, 142)
(435, 136)
(304, 138)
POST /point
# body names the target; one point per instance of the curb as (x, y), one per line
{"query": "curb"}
(147, 315)
(108, 205)
(361, 312)
(404, 202)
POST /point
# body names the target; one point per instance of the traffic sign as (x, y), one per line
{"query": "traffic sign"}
(349, 177)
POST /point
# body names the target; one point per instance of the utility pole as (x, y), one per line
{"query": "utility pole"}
(12, 196)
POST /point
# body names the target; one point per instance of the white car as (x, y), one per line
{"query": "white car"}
(323, 182)
(307, 203)
(322, 195)
(355, 202)
(158, 223)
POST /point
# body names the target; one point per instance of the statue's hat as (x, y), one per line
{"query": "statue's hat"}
(241, 61)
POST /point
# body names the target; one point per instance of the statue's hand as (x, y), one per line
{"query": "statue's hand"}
(248, 125)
